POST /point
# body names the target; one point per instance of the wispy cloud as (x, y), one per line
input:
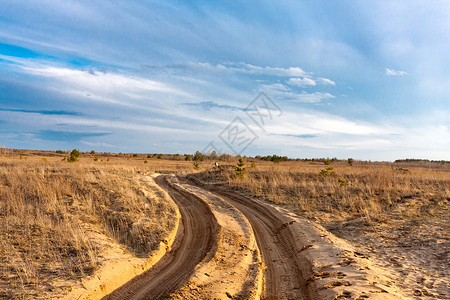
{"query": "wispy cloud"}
(208, 105)
(391, 72)
(325, 81)
(315, 97)
(302, 81)
(43, 112)
(246, 68)
(55, 135)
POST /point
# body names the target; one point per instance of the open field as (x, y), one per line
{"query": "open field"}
(398, 213)
(49, 206)
(52, 213)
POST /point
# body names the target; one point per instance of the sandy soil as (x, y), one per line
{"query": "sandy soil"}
(415, 253)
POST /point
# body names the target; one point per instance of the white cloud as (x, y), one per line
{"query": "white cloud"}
(391, 72)
(301, 81)
(311, 97)
(275, 87)
(252, 69)
(325, 81)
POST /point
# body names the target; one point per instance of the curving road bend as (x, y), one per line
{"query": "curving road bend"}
(195, 240)
(284, 277)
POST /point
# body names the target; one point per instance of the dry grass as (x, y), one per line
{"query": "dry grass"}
(46, 204)
(370, 191)
(397, 213)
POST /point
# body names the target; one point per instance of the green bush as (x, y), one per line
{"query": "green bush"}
(196, 165)
(240, 168)
(328, 172)
(74, 155)
(342, 182)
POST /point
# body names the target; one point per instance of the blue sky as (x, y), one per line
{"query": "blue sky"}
(362, 79)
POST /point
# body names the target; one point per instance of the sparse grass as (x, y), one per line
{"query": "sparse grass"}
(45, 206)
(371, 191)
(397, 213)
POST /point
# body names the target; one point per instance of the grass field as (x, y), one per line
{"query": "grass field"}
(396, 212)
(47, 203)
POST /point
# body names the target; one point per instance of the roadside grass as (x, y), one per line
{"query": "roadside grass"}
(369, 191)
(47, 205)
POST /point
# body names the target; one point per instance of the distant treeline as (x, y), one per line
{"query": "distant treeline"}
(414, 160)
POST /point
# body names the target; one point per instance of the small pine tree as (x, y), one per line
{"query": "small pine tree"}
(73, 155)
(350, 161)
(240, 168)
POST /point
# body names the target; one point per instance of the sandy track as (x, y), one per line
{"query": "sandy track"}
(286, 268)
(195, 240)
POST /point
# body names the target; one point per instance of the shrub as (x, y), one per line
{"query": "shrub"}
(73, 155)
(60, 152)
(327, 162)
(92, 152)
(240, 169)
(350, 161)
(328, 172)
(342, 182)
(95, 158)
(145, 161)
(196, 165)
(45, 159)
(198, 156)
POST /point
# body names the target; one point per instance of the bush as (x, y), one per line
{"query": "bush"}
(342, 182)
(196, 165)
(198, 156)
(328, 172)
(73, 155)
(240, 169)
(327, 162)
(350, 161)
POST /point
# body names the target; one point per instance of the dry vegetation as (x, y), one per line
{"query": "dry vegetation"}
(396, 212)
(399, 212)
(47, 206)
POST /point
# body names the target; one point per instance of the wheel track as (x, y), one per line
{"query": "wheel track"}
(286, 272)
(195, 242)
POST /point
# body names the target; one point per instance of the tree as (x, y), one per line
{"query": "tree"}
(198, 156)
(74, 155)
(350, 161)
(240, 169)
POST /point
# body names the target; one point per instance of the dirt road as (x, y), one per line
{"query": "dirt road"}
(195, 242)
(286, 268)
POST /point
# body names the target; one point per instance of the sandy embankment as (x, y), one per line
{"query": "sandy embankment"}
(117, 265)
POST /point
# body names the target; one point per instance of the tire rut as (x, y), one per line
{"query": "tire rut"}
(286, 272)
(194, 243)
